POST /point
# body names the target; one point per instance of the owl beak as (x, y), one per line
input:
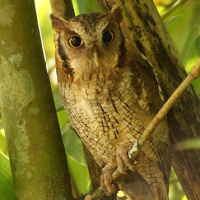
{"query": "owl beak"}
(96, 58)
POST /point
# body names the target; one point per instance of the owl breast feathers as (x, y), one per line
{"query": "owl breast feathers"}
(111, 94)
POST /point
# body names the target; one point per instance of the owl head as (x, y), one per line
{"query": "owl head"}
(88, 43)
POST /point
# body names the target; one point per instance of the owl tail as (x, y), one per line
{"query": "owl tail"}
(136, 188)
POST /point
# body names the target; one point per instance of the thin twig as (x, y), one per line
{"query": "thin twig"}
(195, 73)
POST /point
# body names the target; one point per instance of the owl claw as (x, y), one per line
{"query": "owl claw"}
(123, 165)
(88, 197)
(123, 161)
(106, 180)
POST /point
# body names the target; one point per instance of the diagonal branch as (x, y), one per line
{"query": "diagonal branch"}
(195, 73)
(134, 152)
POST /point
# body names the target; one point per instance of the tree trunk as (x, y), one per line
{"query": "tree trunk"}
(36, 151)
(62, 8)
(147, 32)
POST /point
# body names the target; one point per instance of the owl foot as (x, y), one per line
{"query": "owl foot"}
(123, 161)
(106, 180)
(116, 171)
(88, 197)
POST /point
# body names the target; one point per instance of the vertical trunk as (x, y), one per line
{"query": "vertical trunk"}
(33, 137)
(147, 32)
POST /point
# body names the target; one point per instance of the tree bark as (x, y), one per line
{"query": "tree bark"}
(36, 151)
(62, 8)
(147, 32)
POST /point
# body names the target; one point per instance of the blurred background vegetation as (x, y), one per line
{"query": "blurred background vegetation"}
(183, 24)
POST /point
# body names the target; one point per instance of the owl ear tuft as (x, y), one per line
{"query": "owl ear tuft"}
(116, 14)
(58, 23)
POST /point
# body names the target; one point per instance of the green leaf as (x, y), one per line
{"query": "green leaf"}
(57, 99)
(1, 124)
(85, 6)
(3, 147)
(73, 144)
(170, 20)
(196, 84)
(6, 181)
(197, 44)
(61, 113)
(92, 6)
(62, 118)
(80, 176)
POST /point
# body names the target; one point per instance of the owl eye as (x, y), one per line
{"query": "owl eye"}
(75, 41)
(108, 36)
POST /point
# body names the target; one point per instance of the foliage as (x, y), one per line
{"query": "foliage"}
(183, 27)
(184, 31)
(6, 182)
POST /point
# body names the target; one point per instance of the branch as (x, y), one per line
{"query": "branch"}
(134, 152)
(195, 73)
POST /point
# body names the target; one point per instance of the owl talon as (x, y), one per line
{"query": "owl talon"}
(106, 181)
(123, 161)
(88, 197)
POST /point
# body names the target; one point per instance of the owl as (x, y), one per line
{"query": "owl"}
(111, 94)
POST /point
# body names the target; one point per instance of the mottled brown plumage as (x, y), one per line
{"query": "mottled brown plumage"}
(110, 99)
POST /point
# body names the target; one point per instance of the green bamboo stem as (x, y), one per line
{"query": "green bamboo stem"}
(33, 136)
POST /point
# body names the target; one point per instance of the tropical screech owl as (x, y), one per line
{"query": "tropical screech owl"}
(110, 99)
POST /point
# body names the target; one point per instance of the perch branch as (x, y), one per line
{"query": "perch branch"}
(134, 152)
(195, 73)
